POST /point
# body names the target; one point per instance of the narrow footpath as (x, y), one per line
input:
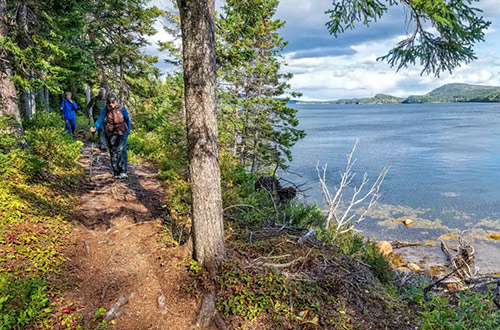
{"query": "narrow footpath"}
(115, 259)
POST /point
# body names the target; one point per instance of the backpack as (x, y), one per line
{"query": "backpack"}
(115, 122)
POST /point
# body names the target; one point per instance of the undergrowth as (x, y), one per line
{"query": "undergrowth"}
(35, 196)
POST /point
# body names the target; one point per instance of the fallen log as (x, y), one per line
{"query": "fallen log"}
(400, 245)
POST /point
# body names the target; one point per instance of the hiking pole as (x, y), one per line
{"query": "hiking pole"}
(91, 157)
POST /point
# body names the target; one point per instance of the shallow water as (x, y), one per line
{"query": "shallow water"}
(444, 166)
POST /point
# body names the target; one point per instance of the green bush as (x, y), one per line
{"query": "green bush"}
(469, 310)
(23, 301)
(378, 263)
(350, 243)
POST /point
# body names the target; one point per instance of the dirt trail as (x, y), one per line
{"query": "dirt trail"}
(115, 253)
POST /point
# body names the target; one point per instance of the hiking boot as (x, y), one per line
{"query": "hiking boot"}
(123, 176)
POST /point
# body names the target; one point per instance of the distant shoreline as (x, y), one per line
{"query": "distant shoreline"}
(449, 93)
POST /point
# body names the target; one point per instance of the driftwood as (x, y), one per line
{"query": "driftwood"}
(464, 259)
(400, 245)
(114, 311)
(432, 285)
(308, 235)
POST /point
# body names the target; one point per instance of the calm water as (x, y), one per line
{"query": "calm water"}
(444, 158)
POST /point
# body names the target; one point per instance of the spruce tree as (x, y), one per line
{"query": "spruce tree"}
(252, 89)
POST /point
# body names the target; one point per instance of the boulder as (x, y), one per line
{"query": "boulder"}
(384, 247)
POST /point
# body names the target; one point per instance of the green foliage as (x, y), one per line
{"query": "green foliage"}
(457, 23)
(378, 263)
(8, 140)
(468, 310)
(34, 209)
(23, 301)
(257, 126)
(350, 243)
(53, 49)
(252, 295)
(118, 30)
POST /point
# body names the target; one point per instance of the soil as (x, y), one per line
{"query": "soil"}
(115, 252)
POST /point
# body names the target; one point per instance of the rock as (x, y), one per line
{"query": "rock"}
(408, 222)
(452, 283)
(495, 237)
(414, 267)
(384, 247)
(162, 305)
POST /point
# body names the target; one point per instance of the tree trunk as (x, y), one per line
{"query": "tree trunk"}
(8, 95)
(121, 92)
(87, 94)
(198, 41)
(47, 98)
(27, 97)
(29, 103)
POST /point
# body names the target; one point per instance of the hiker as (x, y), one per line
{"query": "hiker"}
(96, 104)
(68, 107)
(117, 128)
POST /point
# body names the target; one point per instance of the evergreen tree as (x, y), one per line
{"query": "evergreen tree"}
(456, 24)
(252, 87)
(117, 29)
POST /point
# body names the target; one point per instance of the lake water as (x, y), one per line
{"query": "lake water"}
(444, 166)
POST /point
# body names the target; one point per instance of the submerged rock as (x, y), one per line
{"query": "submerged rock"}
(414, 267)
(408, 222)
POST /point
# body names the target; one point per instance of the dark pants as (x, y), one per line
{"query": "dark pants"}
(125, 157)
(115, 145)
(101, 136)
(71, 126)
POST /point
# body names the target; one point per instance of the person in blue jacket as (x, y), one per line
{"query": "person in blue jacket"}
(68, 107)
(116, 121)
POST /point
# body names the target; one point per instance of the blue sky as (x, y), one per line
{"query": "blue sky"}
(326, 67)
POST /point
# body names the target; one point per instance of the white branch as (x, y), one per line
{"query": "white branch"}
(346, 219)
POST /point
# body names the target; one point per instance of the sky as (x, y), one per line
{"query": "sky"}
(328, 68)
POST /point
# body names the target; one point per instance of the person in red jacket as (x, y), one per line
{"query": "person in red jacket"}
(117, 128)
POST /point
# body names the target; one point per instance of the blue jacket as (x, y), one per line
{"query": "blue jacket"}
(68, 109)
(102, 117)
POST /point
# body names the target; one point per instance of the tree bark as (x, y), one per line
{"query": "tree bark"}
(8, 95)
(198, 41)
(27, 96)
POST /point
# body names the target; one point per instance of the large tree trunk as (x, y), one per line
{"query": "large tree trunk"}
(198, 41)
(8, 96)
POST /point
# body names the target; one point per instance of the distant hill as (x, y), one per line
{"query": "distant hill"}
(377, 99)
(457, 93)
(445, 94)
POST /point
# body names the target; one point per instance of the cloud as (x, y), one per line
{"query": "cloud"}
(326, 67)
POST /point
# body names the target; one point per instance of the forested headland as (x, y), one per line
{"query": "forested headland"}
(204, 233)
